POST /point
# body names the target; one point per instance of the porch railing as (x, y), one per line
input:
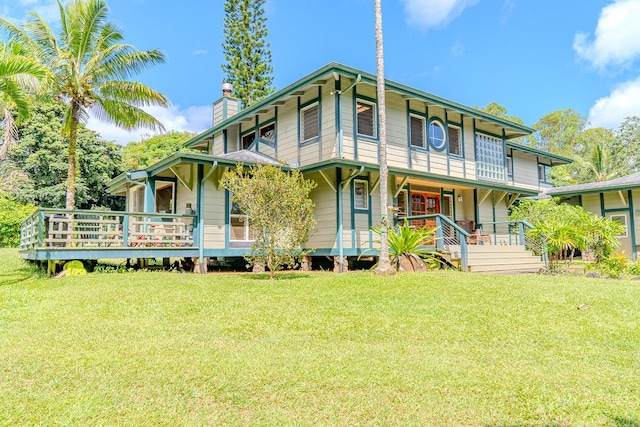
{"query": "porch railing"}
(447, 233)
(61, 228)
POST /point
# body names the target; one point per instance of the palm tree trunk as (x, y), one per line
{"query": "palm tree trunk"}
(71, 174)
(10, 133)
(384, 264)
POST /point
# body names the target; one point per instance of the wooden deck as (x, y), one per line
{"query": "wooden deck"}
(56, 234)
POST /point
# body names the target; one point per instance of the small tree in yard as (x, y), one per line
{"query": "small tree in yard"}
(280, 213)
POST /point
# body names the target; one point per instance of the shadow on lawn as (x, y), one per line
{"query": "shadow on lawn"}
(281, 276)
(11, 278)
(614, 422)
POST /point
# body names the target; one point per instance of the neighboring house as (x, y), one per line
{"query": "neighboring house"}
(618, 199)
(443, 158)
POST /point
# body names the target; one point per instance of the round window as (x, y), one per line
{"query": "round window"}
(437, 135)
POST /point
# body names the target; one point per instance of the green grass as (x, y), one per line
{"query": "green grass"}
(435, 349)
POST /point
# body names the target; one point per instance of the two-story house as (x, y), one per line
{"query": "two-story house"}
(443, 158)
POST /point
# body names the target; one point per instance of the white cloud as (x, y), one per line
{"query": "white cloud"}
(623, 102)
(192, 119)
(617, 36)
(434, 13)
(198, 52)
(458, 49)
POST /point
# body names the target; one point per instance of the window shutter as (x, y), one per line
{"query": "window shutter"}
(366, 119)
(310, 123)
(417, 132)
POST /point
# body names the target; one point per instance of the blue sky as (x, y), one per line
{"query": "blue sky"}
(532, 56)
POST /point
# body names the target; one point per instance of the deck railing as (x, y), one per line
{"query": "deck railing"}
(51, 228)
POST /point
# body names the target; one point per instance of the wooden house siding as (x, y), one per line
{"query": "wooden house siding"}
(324, 198)
(525, 170)
(214, 215)
(288, 132)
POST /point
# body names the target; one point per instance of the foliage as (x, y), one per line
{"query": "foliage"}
(40, 154)
(89, 67)
(246, 51)
(634, 268)
(227, 350)
(498, 110)
(407, 240)
(566, 228)
(614, 265)
(19, 72)
(279, 209)
(558, 132)
(12, 213)
(140, 155)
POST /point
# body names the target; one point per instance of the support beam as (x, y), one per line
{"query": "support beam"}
(374, 186)
(512, 199)
(622, 199)
(500, 199)
(182, 179)
(401, 186)
(484, 197)
(328, 181)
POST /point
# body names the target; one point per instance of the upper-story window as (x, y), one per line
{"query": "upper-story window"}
(360, 194)
(455, 140)
(544, 173)
(310, 122)
(417, 131)
(437, 135)
(267, 133)
(510, 165)
(489, 157)
(366, 123)
(248, 138)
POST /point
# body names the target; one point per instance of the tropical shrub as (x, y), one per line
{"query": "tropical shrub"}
(634, 268)
(613, 265)
(12, 213)
(405, 240)
(566, 228)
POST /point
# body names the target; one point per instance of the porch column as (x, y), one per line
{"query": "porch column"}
(150, 196)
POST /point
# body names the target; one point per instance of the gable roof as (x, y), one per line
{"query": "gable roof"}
(246, 156)
(334, 70)
(624, 183)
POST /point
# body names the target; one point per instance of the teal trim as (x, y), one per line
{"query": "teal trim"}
(504, 158)
(227, 219)
(199, 220)
(353, 213)
(275, 133)
(358, 136)
(446, 132)
(409, 146)
(225, 138)
(319, 122)
(632, 226)
(338, 107)
(150, 196)
(476, 210)
(580, 200)
(299, 129)
(475, 145)
(515, 129)
(339, 211)
(102, 253)
(602, 209)
(559, 159)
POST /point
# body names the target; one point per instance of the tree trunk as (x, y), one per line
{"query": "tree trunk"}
(71, 174)
(10, 133)
(384, 263)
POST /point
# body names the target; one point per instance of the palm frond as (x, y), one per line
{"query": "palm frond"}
(133, 93)
(125, 115)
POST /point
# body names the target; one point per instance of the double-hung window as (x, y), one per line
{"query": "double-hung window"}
(310, 122)
(239, 229)
(366, 123)
(544, 173)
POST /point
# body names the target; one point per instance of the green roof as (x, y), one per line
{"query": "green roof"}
(339, 69)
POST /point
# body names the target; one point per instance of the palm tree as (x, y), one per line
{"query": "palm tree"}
(18, 73)
(384, 263)
(89, 67)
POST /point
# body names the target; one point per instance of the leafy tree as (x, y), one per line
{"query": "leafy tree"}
(89, 70)
(246, 51)
(628, 142)
(559, 132)
(139, 155)
(18, 73)
(12, 213)
(40, 154)
(280, 212)
(384, 262)
(499, 111)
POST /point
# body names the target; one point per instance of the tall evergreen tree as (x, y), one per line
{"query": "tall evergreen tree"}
(246, 50)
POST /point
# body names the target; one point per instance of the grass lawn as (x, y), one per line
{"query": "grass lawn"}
(435, 349)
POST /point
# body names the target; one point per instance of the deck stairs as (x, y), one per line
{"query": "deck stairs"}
(507, 259)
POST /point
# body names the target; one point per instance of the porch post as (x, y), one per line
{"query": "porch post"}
(439, 233)
(521, 232)
(150, 196)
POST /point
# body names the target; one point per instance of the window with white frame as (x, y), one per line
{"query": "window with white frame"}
(165, 192)
(622, 220)
(401, 204)
(489, 157)
(366, 123)
(268, 132)
(360, 194)
(417, 131)
(239, 230)
(437, 136)
(310, 122)
(509, 165)
(455, 141)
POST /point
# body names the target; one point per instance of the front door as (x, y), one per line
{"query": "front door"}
(423, 204)
(625, 237)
